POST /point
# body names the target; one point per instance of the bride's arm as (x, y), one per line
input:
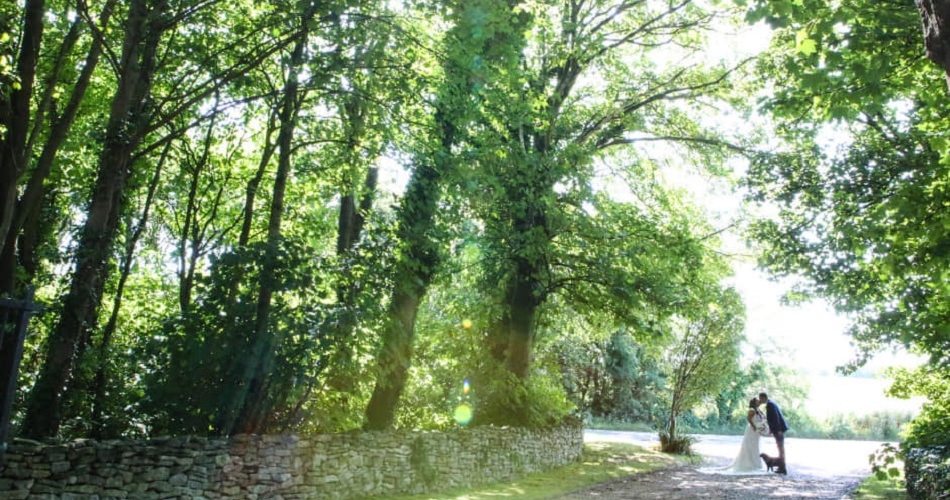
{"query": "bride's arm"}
(748, 416)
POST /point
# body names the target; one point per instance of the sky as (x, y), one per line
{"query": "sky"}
(813, 335)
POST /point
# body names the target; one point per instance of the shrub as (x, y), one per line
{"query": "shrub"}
(680, 444)
(927, 471)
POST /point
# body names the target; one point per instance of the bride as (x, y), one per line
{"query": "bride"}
(748, 459)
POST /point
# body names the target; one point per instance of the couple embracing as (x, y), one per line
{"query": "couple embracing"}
(770, 423)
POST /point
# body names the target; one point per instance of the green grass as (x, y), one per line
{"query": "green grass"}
(601, 462)
(619, 425)
(873, 488)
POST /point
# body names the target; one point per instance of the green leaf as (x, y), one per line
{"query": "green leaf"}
(804, 44)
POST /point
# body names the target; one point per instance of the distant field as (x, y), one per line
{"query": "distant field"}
(861, 396)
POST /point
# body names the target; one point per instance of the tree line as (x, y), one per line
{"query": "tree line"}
(197, 191)
(193, 190)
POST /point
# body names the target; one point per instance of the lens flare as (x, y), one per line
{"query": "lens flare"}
(465, 387)
(466, 323)
(463, 414)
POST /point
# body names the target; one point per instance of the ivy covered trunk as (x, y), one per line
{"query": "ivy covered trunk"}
(466, 72)
(394, 359)
(28, 228)
(414, 270)
(524, 296)
(521, 327)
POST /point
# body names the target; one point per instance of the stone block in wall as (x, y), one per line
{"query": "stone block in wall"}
(23, 484)
(45, 486)
(78, 496)
(88, 489)
(231, 491)
(178, 480)
(113, 481)
(14, 494)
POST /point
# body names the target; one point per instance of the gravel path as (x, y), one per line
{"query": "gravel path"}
(818, 469)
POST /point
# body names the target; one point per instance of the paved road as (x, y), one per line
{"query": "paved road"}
(818, 458)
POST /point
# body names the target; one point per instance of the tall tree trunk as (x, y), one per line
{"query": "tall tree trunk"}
(15, 116)
(419, 256)
(413, 272)
(355, 204)
(353, 215)
(526, 292)
(350, 226)
(251, 391)
(935, 15)
(101, 380)
(523, 303)
(129, 118)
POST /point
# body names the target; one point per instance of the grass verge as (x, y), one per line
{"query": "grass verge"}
(601, 462)
(873, 488)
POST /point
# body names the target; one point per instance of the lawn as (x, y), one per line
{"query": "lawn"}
(601, 462)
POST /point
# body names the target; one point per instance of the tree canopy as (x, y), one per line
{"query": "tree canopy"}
(860, 173)
(296, 215)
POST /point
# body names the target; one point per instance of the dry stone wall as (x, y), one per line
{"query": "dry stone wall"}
(283, 467)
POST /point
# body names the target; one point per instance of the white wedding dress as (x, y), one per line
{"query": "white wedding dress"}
(748, 459)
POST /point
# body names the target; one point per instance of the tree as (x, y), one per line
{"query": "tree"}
(704, 351)
(585, 90)
(863, 225)
(15, 113)
(478, 44)
(616, 378)
(251, 388)
(862, 221)
(127, 125)
(135, 112)
(263, 362)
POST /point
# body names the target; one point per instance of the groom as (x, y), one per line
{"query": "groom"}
(777, 425)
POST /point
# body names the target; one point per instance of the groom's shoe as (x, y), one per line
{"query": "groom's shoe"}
(781, 467)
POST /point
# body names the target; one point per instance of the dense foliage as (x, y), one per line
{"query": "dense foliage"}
(257, 216)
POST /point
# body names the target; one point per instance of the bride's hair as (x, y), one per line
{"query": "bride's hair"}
(754, 403)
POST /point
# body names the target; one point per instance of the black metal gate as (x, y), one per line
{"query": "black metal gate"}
(14, 316)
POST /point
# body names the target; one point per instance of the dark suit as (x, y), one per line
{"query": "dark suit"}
(777, 426)
(773, 414)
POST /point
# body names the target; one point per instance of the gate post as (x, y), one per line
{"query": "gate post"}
(14, 317)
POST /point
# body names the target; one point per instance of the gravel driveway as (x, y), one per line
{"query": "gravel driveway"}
(818, 469)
